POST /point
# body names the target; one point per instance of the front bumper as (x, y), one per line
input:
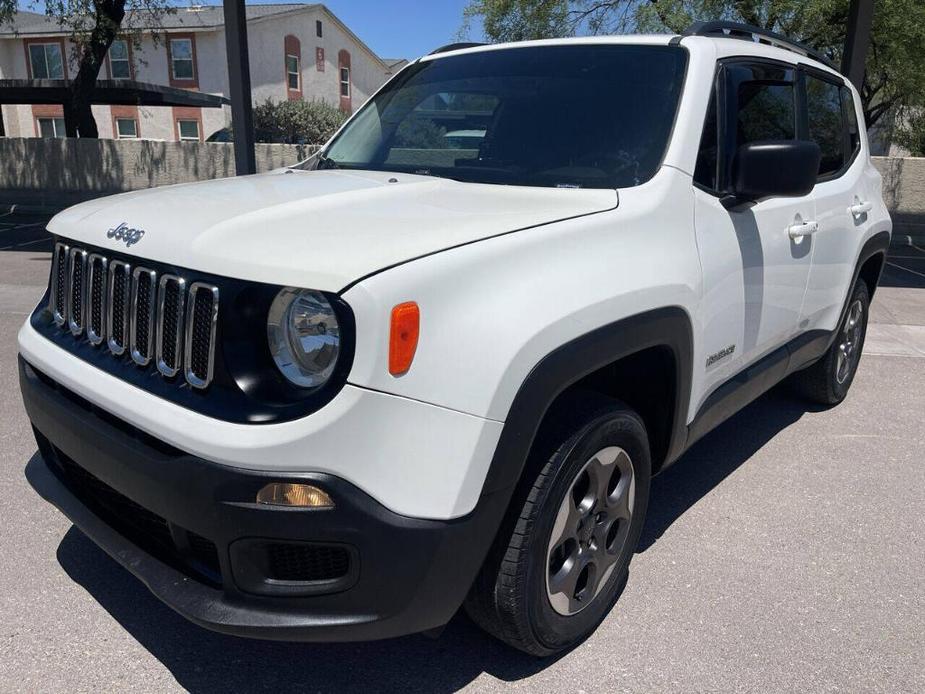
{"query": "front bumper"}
(207, 559)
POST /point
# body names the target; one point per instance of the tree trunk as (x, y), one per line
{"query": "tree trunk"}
(78, 118)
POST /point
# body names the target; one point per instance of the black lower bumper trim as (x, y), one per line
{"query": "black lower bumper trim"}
(410, 575)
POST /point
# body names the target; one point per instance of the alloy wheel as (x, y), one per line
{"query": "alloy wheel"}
(849, 346)
(590, 530)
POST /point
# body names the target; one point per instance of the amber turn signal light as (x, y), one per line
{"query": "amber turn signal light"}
(403, 338)
(294, 494)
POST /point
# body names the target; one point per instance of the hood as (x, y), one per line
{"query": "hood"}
(316, 229)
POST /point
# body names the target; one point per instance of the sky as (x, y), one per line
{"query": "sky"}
(403, 28)
(392, 28)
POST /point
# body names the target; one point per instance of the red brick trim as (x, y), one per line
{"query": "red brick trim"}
(292, 46)
(319, 59)
(343, 61)
(187, 84)
(187, 113)
(126, 112)
(131, 62)
(45, 111)
(28, 42)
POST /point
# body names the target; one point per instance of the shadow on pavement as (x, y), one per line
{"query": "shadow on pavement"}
(202, 661)
(715, 457)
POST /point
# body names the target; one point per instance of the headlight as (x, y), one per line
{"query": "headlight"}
(304, 336)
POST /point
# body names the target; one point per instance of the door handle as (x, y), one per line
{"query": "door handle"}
(860, 208)
(802, 229)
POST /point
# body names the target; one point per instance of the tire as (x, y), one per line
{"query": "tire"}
(827, 381)
(530, 593)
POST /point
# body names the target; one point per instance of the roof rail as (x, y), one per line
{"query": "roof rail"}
(456, 47)
(747, 32)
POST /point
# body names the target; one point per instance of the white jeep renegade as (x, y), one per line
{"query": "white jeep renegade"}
(424, 369)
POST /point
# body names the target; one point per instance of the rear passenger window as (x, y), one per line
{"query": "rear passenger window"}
(826, 124)
(851, 120)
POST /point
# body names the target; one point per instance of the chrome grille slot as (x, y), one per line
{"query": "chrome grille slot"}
(57, 295)
(170, 299)
(96, 297)
(157, 318)
(117, 322)
(201, 322)
(77, 291)
(141, 321)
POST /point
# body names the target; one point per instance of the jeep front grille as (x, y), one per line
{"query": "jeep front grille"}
(153, 317)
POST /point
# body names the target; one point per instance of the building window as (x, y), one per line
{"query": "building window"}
(51, 127)
(343, 78)
(120, 66)
(126, 128)
(47, 61)
(188, 130)
(181, 59)
(319, 59)
(292, 72)
(318, 31)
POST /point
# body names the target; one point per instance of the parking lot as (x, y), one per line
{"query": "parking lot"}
(784, 552)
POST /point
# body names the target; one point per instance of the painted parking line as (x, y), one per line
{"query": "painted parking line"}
(901, 267)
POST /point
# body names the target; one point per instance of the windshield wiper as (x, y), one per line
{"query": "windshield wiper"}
(326, 162)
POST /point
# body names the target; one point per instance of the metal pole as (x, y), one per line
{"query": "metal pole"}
(239, 83)
(860, 18)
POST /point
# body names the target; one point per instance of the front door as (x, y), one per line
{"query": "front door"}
(755, 269)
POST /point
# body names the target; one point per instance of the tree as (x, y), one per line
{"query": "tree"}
(895, 80)
(92, 26)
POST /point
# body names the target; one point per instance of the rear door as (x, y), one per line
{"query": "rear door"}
(842, 197)
(755, 274)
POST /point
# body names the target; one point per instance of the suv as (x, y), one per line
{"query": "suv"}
(340, 400)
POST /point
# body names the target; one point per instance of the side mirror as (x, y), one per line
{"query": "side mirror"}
(773, 169)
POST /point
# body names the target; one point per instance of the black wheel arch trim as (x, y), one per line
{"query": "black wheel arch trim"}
(668, 327)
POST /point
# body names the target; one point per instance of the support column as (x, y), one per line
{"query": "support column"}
(860, 18)
(239, 83)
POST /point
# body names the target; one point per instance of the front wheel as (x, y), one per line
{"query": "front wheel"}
(828, 380)
(558, 573)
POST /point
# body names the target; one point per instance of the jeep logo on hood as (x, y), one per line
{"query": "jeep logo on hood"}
(125, 233)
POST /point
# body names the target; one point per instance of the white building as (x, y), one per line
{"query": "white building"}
(297, 51)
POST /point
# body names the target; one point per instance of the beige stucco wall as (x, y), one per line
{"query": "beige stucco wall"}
(47, 171)
(903, 184)
(267, 63)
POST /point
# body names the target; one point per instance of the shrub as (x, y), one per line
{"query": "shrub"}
(303, 122)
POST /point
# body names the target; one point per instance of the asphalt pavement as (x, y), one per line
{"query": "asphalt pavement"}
(784, 552)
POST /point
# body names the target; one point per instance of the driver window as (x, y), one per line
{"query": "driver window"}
(761, 105)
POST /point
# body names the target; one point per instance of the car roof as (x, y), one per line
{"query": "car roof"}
(719, 47)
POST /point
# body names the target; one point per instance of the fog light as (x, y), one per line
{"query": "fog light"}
(292, 494)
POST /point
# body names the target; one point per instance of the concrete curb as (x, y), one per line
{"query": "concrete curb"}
(901, 239)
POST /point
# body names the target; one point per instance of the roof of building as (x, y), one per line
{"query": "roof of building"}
(395, 63)
(191, 17)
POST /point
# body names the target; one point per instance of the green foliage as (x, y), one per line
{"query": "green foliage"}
(305, 122)
(895, 81)
(910, 133)
(520, 20)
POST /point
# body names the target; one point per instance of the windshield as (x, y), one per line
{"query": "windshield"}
(570, 116)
